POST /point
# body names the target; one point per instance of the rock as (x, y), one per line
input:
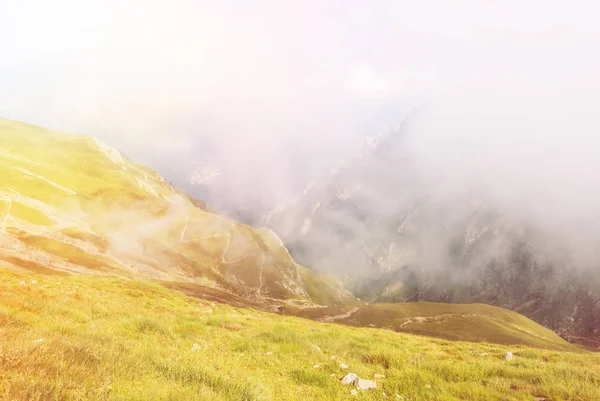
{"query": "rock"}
(483, 354)
(398, 396)
(33, 281)
(316, 366)
(317, 348)
(349, 378)
(353, 392)
(269, 353)
(343, 366)
(39, 340)
(196, 347)
(22, 282)
(508, 356)
(376, 376)
(333, 357)
(363, 384)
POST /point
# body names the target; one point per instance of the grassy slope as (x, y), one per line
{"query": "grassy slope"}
(460, 322)
(323, 289)
(470, 322)
(68, 203)
(111, 339)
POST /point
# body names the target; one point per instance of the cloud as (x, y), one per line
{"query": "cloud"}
(363, 81)
(274, 94)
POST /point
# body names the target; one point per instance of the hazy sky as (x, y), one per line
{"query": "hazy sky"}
(276, 92)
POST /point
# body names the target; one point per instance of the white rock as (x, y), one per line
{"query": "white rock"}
(353, 392)
(39, 340)
(316, 366)
(33, 281)
(376, 376)
(508, 356)
(363, 384)
(333, 357)
(398, 396)
(349, 378)
(343, 366)
(317, 348)
(196, 347)
(269, 353)
(22, 282)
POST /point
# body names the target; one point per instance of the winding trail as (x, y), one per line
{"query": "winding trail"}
(334, 318)
(39, 177)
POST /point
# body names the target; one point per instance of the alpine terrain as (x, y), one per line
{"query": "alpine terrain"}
(116, 286)
(394, 232)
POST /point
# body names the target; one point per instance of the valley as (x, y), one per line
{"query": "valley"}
(114, 285)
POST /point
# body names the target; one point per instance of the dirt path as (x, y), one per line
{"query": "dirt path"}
(330, 319)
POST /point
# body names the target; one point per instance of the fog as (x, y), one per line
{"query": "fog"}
(251, 101)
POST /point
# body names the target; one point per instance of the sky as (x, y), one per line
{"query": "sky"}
(274, 94)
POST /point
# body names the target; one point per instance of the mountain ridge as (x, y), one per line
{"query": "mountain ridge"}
(70, 203)
(396, 232)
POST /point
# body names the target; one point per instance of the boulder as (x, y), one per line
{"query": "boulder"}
(349, 378)
(363, 384)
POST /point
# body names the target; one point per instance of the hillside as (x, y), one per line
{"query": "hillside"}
(459, 322)
(395, 231)
(102, 338)
(70, 204)
(115, 286)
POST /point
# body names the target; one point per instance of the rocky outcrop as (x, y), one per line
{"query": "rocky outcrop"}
(381, 224)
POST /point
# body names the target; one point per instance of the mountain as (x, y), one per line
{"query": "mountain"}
(70, 204)
(396, 232)
(117, 286)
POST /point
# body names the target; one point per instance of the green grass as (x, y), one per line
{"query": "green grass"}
(468, 322)
(325, 290)
(112, 339)
(459, 322)
(123, 219)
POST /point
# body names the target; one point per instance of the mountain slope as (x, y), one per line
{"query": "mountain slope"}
(72, 205)
(68, 203)
(459, 322)
(396, 232)
(100, 338)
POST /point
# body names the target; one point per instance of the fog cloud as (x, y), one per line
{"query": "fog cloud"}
(275, 94)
